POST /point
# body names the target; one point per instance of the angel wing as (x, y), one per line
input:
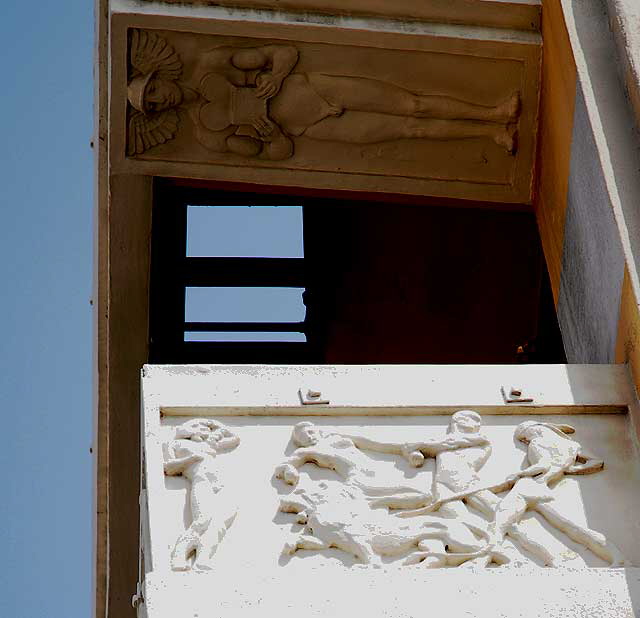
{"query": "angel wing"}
(150, 53)
(149, 130)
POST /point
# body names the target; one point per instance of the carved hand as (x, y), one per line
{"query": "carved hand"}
(288, 473)
(268, 85)
(266, 129)
(411, 452)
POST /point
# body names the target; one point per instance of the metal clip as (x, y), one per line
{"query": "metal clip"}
(138, 597)
(311, 397)
(512, 394)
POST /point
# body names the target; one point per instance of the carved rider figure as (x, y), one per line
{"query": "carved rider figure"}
(249, 101)
(353, 527)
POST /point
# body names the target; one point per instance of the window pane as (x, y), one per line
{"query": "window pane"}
(235, 337)
(244, 231)
(228, 304)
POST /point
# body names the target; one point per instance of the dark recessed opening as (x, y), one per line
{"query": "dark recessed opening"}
(263, 278)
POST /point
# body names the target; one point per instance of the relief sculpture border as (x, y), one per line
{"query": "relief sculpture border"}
(264, 139)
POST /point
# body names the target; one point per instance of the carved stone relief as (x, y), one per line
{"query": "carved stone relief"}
(459, 519)
(425, 115)
(192, 453)
(252, 102)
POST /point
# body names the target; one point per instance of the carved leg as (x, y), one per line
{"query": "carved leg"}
(190, 541)
(210, 540)
(371, 128)
(303, 542)
(519, 535)
(402, 501)
(434, 553)
(371, 95)
(509, 511)
(297, 508)
(591, 539)
(351, 545)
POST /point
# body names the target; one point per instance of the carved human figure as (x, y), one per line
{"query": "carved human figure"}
(442, 540)
(345, 455)
(456, 470)
(550, 454)
(193, 454)
(248, 101)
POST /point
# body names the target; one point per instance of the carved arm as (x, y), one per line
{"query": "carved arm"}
(586, 463)
(176, 466)
(279, 58)
(366, 444)
(532, 470)
(279, 61)
(415, 452)
(288, 471)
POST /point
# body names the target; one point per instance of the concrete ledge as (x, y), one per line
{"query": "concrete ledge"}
(514, 14)
(409, 592)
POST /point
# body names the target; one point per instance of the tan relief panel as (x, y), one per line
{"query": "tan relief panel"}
(327, 108)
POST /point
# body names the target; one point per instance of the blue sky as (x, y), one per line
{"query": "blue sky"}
(46, 277)
(46, 265)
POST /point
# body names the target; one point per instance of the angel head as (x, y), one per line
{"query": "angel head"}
(529, 430)
(152, 91)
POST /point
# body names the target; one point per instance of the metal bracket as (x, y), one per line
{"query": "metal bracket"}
(138, 597)
(309, 397)
(511, 394)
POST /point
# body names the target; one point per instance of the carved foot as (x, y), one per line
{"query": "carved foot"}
(617, 559)
(507, 137)
(290, 547)
(180, 565)
(509, 110)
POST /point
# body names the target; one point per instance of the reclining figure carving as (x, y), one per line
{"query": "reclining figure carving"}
(249, 101)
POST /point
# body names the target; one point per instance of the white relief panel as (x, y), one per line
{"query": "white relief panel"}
(280, 493)
(396, 490)
(456, 518)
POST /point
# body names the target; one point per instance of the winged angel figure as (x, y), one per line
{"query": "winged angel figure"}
(251, 102)
(151, 58)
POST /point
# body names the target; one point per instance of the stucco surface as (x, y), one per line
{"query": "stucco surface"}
(539, 594)
(592, 259)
